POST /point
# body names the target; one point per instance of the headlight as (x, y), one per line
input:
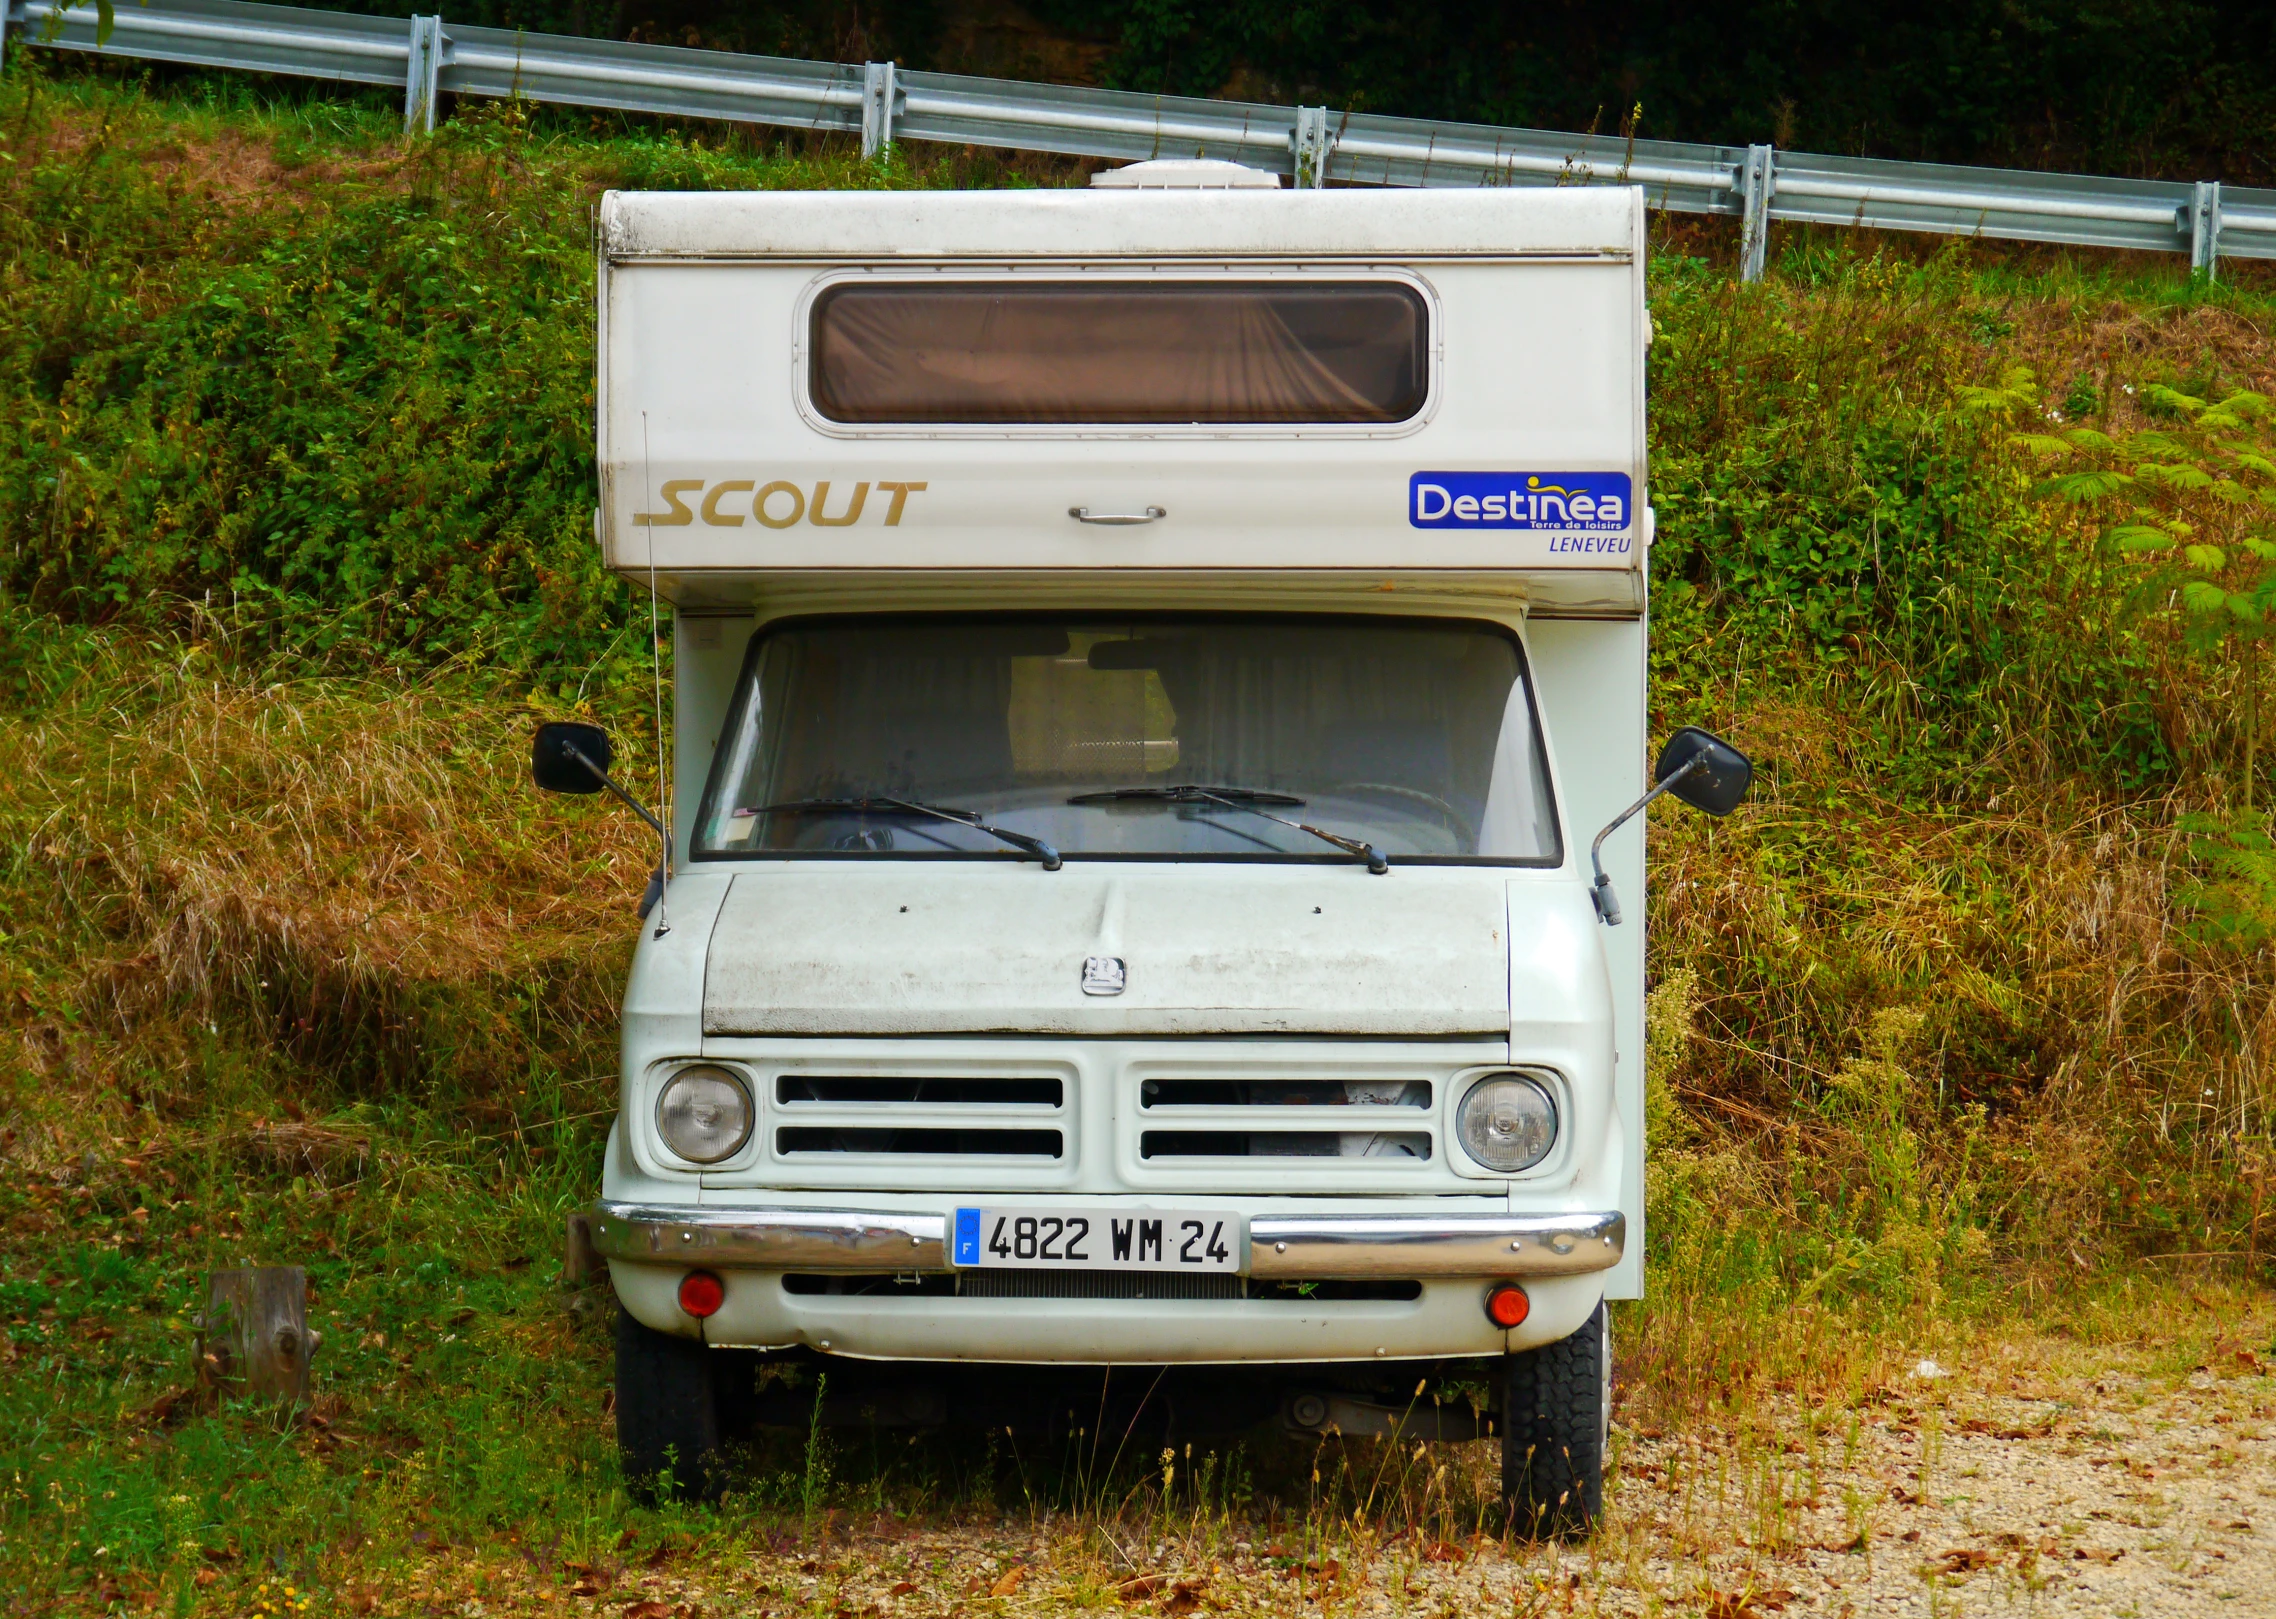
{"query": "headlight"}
(1507, 1122)
(704, 1115)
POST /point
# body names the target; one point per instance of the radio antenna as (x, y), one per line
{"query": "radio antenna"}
(656, 678)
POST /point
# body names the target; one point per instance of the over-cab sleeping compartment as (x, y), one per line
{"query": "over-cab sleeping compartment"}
(1230, 380)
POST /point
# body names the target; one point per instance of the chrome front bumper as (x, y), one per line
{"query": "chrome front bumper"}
(1297, 1247)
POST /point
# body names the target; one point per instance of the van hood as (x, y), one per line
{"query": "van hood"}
(840, 948)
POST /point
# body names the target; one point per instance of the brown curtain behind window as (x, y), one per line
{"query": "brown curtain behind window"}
(1212, 352)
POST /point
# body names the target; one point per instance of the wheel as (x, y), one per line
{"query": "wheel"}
(1556, 1419)
(667, 1414)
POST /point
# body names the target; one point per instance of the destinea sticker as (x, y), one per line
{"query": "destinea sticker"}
(1562, 502)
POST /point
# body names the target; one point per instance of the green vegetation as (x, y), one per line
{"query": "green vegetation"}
(2111, 86)
(1964, 1017)
(2180, 88)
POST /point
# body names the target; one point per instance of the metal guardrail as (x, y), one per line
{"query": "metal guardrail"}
(881, 103)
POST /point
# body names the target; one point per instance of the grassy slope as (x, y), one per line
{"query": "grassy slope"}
(296, 970)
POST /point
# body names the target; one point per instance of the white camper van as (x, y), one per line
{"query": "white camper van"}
(1150, 663)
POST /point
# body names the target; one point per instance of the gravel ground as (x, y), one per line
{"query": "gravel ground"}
(2042, 1481)
(2109, 1495)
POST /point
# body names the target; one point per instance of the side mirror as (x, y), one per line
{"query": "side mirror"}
(567, 757)
(557, 770)
(1704, 771)
(1697, 766)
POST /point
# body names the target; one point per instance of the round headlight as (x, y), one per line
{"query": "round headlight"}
(1507, 1122)
(704, 1114)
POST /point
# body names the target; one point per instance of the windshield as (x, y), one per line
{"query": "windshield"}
(1157, 737)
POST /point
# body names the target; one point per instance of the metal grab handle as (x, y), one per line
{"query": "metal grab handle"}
(1083, 514)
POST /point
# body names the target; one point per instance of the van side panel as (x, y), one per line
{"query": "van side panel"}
(1590, 676)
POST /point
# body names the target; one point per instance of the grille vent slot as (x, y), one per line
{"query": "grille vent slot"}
(858, 1090)
(1247, 1093)
(1075, 1284)
(1374, 1145)
(945, 1142)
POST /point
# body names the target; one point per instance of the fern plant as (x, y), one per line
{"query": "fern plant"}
(2189, 501)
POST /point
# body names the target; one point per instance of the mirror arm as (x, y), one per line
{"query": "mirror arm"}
(1601, 896)
(664, 862)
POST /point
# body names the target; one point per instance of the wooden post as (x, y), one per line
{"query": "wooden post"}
(254, 1338)
(581, 1262)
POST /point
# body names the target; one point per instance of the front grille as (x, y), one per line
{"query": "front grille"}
(965, 1119)
(1076, 1284)
(793, 1141)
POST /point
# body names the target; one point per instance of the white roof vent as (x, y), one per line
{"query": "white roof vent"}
(1186, 174)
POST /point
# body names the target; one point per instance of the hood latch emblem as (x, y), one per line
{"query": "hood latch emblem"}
(1104, 975)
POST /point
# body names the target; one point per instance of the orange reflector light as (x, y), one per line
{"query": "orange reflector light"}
(1506, 1304)
(701, 1294)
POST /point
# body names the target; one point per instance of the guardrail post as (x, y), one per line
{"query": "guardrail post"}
(422, 74)
(2204, 226)
(1758, 183)
(878, 92)
(1312, 144)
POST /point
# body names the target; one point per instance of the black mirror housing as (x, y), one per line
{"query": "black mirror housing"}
(557, 770)
(1714, 775)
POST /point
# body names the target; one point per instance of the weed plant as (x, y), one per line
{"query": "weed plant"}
(1966, 1015)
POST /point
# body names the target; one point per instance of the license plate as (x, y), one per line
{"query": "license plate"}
(1189, 1240)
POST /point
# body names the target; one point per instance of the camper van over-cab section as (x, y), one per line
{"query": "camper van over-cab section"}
(1158, 680)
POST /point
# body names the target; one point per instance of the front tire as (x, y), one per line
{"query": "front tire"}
(667, 1414)
(1556, 1419)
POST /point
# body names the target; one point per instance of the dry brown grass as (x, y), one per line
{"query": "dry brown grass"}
(353, 871)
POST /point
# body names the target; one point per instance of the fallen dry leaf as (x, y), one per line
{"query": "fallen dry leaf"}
(1184, 1597)
(647, 1610)
(1008, 1581)
(591, 1582)
(2096, 1554)
(1747, 1604)
(903, 1588)
(1139, 1587)
(1964, 1559)
(163, 1410)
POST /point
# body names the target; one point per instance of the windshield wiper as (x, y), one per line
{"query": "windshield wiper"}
(872, 804)
(1187, 793)
(1239, 798)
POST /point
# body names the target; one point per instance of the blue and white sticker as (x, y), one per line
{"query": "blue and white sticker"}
(966, 1249)
(1555, 502)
